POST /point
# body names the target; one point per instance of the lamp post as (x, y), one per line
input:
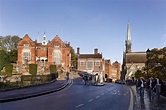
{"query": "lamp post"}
(147, 56)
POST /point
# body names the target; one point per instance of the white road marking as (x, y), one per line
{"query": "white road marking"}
(131, 100)
(97, 96)
(66, 87)
(90, 100)
(79, 105)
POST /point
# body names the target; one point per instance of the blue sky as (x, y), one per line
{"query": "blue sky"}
(88, 24)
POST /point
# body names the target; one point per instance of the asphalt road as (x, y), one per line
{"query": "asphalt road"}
(78, 96)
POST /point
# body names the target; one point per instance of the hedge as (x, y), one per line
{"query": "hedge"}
(52, 69)
(33, 69)
(32, 78)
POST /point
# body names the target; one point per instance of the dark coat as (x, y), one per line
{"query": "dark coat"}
(148, 84)
(139, 83)
(160, 82)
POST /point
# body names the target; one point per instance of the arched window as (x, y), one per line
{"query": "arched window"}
(57, 55)
(26, 56)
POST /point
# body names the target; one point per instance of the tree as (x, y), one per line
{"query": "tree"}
(9, 43)
(4, 59)
(156, 63)
(13, 56)
(73, 57)
(8, 49)
(139, 73)
(2, 46)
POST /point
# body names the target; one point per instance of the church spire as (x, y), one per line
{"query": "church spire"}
(128, 32)
(128, 39)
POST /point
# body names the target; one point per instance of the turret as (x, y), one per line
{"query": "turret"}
(44, 41)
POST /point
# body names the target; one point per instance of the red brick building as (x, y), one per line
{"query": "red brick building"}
(54, 52)
(90, 62)
(112, 70)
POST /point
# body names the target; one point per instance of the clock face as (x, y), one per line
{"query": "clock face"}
(44, 42)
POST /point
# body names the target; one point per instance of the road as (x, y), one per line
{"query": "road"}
(78, 96)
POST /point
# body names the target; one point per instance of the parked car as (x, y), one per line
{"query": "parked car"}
(80, 73)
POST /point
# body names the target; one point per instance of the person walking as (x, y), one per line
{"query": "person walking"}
(158, 84)
(96, 79)
(137, 85)
(150, 87)
(67, 75)
(85, 78)
(141, 84)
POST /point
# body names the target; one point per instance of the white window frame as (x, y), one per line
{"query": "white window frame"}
(91, 66)
(82, 63)
(97, 63)
(57, 56)
(27, 55)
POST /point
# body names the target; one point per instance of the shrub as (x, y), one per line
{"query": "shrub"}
(9, 69)
(52, 68)
(33, 69)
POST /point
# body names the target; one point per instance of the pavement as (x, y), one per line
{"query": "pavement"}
(147, 104)
(23, 93)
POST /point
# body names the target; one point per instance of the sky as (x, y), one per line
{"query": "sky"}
(88, 24)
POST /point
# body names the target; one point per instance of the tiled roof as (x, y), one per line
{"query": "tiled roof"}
(136, 57)
(90, 55)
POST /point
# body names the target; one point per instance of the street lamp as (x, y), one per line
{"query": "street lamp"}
(147, 56)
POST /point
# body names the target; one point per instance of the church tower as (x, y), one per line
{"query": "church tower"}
(128, 39)
(44, 41)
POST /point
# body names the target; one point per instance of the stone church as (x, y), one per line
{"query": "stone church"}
(45, 53)
(132, 61)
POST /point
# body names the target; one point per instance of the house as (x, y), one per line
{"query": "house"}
(44, 54)
(92, 63)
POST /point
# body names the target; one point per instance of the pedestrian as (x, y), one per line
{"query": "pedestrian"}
(85, 78)
(90, 79)
(67, 75)
(96, 79)
(150, 87)
(137, 85)
(141, 84)
(158, 84)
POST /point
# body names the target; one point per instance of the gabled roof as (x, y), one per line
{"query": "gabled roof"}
(136, 57)
(26, 39)
(56, 40)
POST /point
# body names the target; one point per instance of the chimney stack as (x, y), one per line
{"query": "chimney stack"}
(95, 51)
(78, 50)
